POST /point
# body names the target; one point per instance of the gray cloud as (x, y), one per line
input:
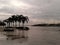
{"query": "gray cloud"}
(35, 9)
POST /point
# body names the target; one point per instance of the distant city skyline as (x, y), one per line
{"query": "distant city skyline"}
(38, 11)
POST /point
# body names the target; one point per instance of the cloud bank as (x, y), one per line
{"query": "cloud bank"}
(39, 11)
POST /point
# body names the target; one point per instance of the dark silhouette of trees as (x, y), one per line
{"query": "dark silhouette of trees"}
(11, 22)
(2, 23)
(24, 19)
(13, 19)
(16, 18)
(6, 21)
(20, 19)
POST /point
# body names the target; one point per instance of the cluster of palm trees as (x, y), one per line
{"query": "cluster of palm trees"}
(12, 21)
(2, 23)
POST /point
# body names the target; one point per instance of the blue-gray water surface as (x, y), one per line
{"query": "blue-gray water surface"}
(36, 36)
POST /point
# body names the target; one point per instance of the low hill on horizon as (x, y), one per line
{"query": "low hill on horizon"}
(46, 25)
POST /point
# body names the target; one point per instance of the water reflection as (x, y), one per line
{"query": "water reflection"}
(36, 36)
(23, 40)
(17, 36)
(16, 33)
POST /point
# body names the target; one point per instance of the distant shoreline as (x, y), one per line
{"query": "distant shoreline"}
(50, 25)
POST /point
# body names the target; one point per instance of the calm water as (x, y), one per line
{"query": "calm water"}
(36, 36)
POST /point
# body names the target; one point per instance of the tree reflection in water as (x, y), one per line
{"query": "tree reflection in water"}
(23, 40)
(17, 34)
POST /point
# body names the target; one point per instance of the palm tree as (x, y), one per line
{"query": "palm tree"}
(20, 19)
(10, 21)
(7, 22)
(2, 23)
(24, 19)
(13, 19)
(27, 19)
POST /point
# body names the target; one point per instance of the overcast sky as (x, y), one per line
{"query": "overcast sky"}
(38, 11)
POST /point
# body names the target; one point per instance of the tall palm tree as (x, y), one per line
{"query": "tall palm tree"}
(7, 22)
(2, 23)
(27, 19)
(13, 19)
(20, 19)
(16, 19)
(24, 19)
(10, 21)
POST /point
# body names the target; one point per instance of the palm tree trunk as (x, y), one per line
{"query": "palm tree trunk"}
(9, 24)
(6, 25)
(19, 24)
(15, 24)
